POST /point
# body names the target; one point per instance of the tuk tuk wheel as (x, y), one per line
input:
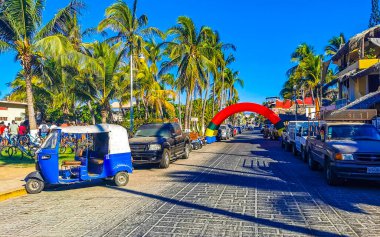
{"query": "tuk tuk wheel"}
(121, 179)
(34, 186)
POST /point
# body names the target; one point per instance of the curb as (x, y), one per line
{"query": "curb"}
(12, 194)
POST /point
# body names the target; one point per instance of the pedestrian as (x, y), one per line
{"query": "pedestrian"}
(53, 126)
(5, 135)
(13, 129)
(43, 129)
(22, 130)
(2, 128)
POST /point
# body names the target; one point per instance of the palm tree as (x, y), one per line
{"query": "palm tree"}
(335, 43)
(188, 52)
(20, 31)
(130, 30)
(106, 64)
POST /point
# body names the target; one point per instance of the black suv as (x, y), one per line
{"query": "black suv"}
(159, 143)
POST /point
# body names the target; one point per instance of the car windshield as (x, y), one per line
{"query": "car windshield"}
(51, 141)
(353, 132)
(222, 127)
(153, 131)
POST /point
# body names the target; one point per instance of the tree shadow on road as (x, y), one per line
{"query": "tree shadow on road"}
(226, 213)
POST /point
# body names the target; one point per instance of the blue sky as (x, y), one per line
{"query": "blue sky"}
(264, 32)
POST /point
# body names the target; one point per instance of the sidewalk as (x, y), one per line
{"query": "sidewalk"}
(12, 179)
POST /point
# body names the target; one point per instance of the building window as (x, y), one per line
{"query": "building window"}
(18, 119)
(3, 118)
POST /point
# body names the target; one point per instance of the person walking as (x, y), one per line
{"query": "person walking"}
(13, 129)
(22, 130)
(43, 129)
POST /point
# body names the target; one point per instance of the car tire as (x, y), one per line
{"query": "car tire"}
(313, 165)
(331, 177)
(121, 179)
(165, 159)
(294, 150)
(186, 151)
(34, 186)
(303, 155)
(287, 148)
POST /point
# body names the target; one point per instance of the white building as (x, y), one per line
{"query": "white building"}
(12, 111)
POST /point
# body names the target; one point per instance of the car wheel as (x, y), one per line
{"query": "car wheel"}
(287, 148)
(34, 186)
(313, 165)
(187, 151)
(165, 159)
(303, 154)
(330, 175)
(294, 150)
(121, 179)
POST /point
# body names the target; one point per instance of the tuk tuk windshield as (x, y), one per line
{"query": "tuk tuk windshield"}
(51, 140)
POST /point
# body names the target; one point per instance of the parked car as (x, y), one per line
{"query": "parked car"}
(238, 129)
(224, 132)
(232, 130)
(345, 151)
(273, 133)
(305, 130)
(289, 136)
(159, 143)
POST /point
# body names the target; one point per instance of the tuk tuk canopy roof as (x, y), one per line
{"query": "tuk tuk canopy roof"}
(118, 135)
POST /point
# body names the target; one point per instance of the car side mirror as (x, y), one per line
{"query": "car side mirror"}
(318, 137)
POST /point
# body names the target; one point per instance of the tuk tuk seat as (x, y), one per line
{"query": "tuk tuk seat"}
(96, 161)
(71, 163)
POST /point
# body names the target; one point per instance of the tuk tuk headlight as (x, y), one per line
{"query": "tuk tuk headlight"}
(154, 147)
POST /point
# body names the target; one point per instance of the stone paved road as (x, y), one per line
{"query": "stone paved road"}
(244, 187)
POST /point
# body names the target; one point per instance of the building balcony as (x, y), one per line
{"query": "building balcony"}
(367, 63)
(359, 65)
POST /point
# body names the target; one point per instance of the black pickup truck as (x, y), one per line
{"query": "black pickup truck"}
(159, 143)
(345, 151)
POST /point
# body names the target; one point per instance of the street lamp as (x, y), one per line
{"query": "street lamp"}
(295, 99)
(141, 57)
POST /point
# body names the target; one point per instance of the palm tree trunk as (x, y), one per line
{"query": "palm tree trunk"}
(188, 95)
(204, 107)
(104, 113)
(27, 66)
(192, 96)
(213, 99)
(179, 108)
(121, 109)
(222, 89)
(91, 112)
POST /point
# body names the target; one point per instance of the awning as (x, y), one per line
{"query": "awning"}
(366, 72)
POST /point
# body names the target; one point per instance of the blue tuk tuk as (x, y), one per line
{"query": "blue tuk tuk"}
(102, 152)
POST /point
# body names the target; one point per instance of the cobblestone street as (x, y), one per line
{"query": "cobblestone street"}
(247, 186)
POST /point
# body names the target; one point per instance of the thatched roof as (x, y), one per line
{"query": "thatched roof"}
(354, 42)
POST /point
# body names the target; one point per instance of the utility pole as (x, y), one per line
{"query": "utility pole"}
(375, 14)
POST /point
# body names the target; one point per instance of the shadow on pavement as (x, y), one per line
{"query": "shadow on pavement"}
(260, 221)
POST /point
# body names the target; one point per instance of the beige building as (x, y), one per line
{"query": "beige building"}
(359, 63)
(12, 111)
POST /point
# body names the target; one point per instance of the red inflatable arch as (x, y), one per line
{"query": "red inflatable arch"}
(237, 108)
